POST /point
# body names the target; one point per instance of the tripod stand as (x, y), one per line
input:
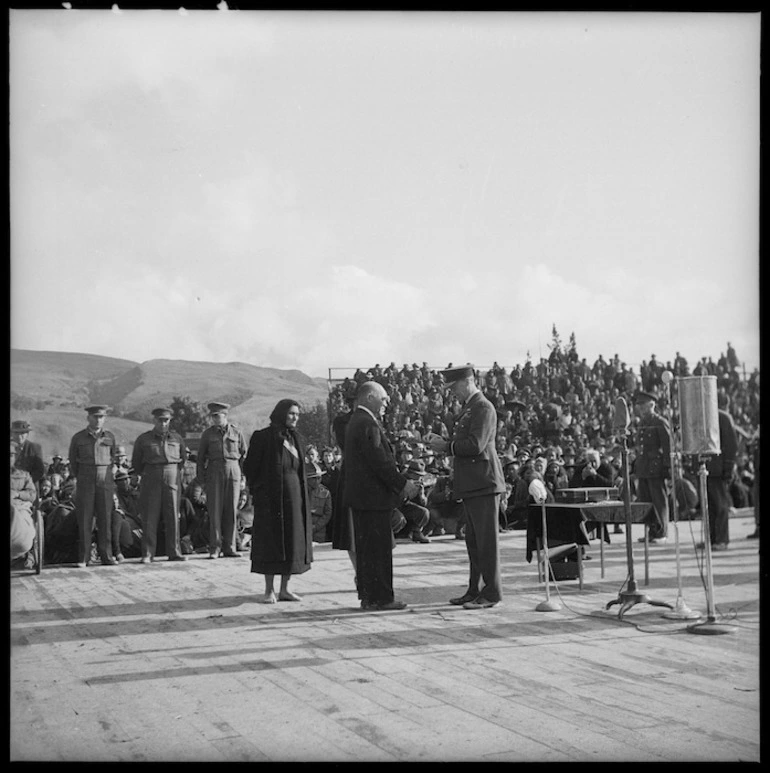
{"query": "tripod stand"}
(630, 596)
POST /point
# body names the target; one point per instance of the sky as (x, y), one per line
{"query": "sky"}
(326, 190)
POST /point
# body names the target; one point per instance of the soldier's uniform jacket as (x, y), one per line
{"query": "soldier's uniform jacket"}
(220, 444)
(89, 450)
(477, 468)
(653, 447)
(153, 448)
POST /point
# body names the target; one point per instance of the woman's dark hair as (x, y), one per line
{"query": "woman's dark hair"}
(281, 411)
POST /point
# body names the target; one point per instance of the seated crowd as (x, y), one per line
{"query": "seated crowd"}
(555, 423)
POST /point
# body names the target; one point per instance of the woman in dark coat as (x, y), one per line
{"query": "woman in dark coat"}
(282, 531)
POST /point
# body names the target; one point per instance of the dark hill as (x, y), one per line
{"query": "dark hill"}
(50, 390)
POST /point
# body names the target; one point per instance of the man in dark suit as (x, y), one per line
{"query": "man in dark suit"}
(652, 465)
(721, 468)
(30, 456)
(478, 482)
(373, 488)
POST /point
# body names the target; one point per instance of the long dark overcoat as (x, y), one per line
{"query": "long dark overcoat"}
(264, 478)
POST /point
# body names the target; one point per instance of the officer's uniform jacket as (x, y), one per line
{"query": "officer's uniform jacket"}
(477, 468)
(653, 447)
(89, 451)
(219, 446)
(153, 448)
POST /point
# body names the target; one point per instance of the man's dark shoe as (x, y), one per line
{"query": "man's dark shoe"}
(177, 558)
(368, 606)
(231, 555)
(464, 599)
(391, 605)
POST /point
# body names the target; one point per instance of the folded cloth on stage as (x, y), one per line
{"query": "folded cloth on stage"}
(564, 526)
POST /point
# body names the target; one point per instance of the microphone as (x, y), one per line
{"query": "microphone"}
(620, 418)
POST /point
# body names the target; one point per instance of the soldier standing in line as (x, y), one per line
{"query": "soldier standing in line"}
(158, 457)
(652, 464)
(91, 455)
(220, 466)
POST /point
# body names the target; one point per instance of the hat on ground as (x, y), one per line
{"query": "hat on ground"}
(415, 467)
(644, 397)
(160, 413)
(218, 407)
(20, 426)
(455, 374)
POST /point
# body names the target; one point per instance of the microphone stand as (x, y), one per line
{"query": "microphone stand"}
(631, 596)
(710, 626)
(548, 605)
(680, 611)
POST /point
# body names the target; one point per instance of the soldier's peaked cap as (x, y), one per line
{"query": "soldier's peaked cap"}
(161, 412)
(218, 407)
(455, 374)
(96, 410)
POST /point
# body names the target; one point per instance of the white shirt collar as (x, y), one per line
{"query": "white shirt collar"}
(364, 408)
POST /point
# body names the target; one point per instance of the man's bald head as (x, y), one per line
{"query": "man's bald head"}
(373, 396)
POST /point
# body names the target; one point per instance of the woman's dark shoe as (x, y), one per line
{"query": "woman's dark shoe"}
(464, 599)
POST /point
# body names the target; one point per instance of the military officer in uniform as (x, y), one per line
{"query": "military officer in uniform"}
(91, 455)
(158, 457)
(478, 482)
(653, 463)
(220, 466)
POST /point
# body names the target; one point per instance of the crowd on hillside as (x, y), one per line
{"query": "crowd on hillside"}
(553, 413)
(561, 400)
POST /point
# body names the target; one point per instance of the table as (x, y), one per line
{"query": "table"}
(611, 511)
